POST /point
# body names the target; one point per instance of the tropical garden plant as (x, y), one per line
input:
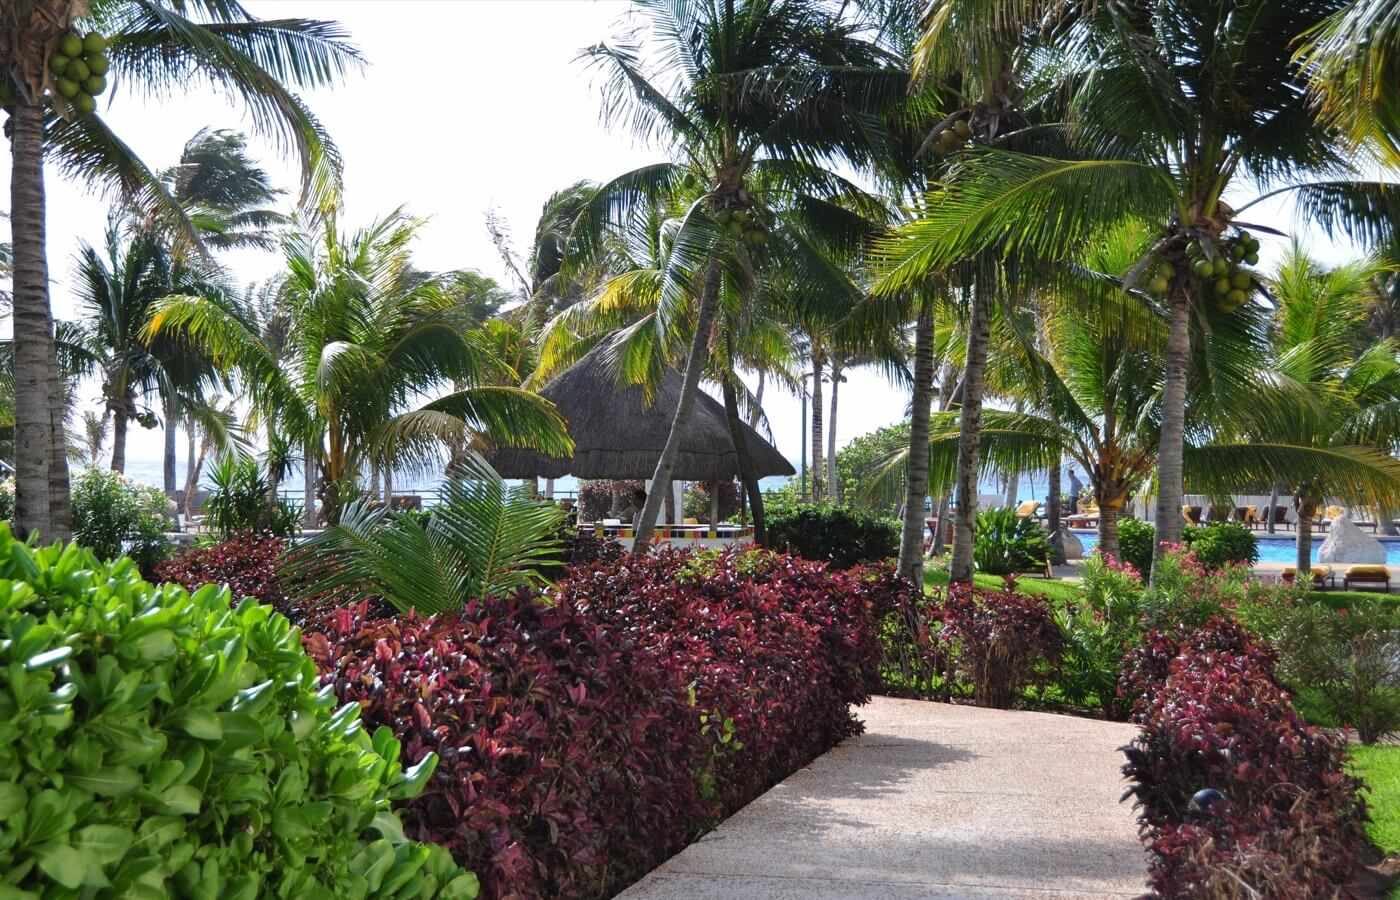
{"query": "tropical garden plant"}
(1163, 118)
(149, 46)
(482, 539)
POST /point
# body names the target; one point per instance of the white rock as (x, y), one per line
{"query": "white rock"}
(1346, 543)
(1074, 548)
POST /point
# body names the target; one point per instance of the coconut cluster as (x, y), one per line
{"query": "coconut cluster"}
(1219, 266)
(79, 65)
(742, 225)
(953, 138)
(1223, 268)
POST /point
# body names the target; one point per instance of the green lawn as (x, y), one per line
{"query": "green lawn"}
(1379, 767)
(1058, 591)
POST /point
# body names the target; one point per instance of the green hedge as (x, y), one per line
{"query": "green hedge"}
(839, 535)
(156, 743)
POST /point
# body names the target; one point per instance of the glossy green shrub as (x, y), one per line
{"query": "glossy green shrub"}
(156, 743)
(113, 515)
(1222, 544)
(1004, 543)
(1136, 541)
(838, 535)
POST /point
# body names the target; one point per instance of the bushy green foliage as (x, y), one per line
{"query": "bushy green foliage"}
(7, 499)
(244, 499)
(859, 462)
(1346, 660)
(1186, 594)
(839, 535)
(1005, 543)
(1102, 624)
(113, 515)
(1136, 540)
(1222, 544)
(156, 743)
(695, 504)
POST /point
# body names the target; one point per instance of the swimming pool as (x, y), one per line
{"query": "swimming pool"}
(1272, 549)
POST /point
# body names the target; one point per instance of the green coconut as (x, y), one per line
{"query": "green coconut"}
(1223, 287)
(1252, 259)
(1237, 251)
(1221, 267)
(1203, 268)
(1242, 280)
(78, 70)
(1159, 285)
(94, 42)
(95, 85)
(67, 87)
(97, 63)
(71, 45)
(755, 237)
(1236, 298)
(963, 129)
(58, 63)
(84, 103)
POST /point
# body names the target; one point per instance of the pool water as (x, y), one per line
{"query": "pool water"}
(1275, 549)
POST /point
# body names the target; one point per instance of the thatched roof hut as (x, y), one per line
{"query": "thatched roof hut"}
(618, 435)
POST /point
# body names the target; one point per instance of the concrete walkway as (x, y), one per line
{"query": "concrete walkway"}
(933, 801)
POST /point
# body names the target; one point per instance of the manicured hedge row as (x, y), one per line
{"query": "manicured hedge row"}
(586, 736)
(1214, 717)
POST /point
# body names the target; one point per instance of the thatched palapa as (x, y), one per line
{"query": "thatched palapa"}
(618, 435)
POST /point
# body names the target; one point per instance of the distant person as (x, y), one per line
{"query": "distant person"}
(1074, 488)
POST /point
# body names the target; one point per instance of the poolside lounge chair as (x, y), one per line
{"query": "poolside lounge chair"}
(1192, 514)
(1322, 575)
(1248, 516)
(1218, 514)
(1372, 575)
(1027, 509)
(1281, 517)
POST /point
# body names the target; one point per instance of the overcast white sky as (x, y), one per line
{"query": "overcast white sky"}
(465, 105)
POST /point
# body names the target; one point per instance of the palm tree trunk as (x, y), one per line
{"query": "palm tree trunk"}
(172, 425)
(911, 539)
(1269, 523)
(757, 411)
(1109, 511)
(308, 484)
(833, 480)
(33, 325)
(1169, 453)
(690, 385)
(1013, 490)
(818, 470)
(60, 499)
(191, 468)
(747, 480)
(1052, 515)
(389, 485)
(1307, 508)
(120, 423)
(970, 438)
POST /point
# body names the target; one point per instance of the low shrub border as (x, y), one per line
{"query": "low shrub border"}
(587, 736)
(1287, 821)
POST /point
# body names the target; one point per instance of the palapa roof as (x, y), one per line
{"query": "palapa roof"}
(618, 435)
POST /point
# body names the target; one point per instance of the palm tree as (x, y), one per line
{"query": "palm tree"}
(737, 89)
(1353, 58)
(1171, 106)
(368, 343)
(153, 46)
(1356, 393)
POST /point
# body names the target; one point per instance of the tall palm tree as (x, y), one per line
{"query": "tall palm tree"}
(1354, 60)
(367, 345)
(154, 46)
(1356, 392)
(1172, 105)
(735, 88)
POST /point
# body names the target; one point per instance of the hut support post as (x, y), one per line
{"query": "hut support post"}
(714, 509)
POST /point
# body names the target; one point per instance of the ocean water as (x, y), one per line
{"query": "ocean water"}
(1272, 549)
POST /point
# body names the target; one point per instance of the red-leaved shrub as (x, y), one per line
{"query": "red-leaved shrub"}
(247, 563)
(775, 648)
(587, 736)
(567, 756)
(996, 639)
(1290, 825)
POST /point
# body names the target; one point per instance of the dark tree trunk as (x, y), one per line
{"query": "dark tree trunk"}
(60, 498)
(1307, 508)
(1169, 453)
(120, 423)
(833, 479)
(970, 437)
(172, 425)
(911, 541)
(747, 479)
(1269, 519)
(1052, 515)
(33, 326)
(818, 467)
(690, 385)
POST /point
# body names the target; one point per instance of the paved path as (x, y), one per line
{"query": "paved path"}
(933, 801)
